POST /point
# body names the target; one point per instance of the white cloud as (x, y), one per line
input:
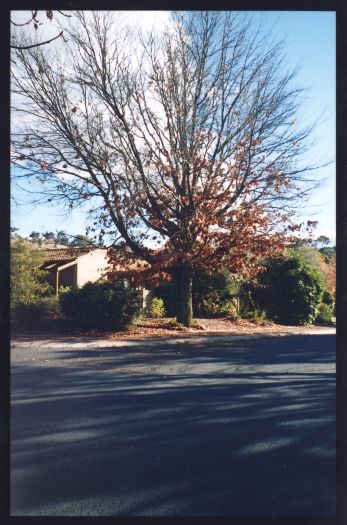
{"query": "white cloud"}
(46, 28)
(144, 20)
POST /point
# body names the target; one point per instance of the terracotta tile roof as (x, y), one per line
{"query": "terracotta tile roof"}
(67, 254)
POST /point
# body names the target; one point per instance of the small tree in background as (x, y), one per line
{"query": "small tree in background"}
(62, 238)
(322, 241)
(322, 259)
(81, 241)
(330, 277)
(328, 252)
(35, 238)
(13, 232)
(309, 253)
(27, 279)
(49, 236)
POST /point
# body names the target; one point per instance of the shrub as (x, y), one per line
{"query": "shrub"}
(210, 304)
(37, 312)
(156, 308)
(172, 323)
(214, 306)
(197, 325)
(102, 306)
(325, 314)
(215, 294)
(328, 299)
(248, 306)
(257, 316)
(64, 289)
(290, 290)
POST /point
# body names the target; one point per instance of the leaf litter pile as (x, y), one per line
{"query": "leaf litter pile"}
(167, 327)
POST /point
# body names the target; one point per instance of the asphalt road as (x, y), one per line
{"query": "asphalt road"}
(241, 426)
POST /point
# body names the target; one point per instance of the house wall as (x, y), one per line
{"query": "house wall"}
(50, 278)
(92, 266)
(147, 296)
(67, 277)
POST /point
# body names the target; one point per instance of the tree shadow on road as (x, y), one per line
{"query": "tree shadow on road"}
(223, 443)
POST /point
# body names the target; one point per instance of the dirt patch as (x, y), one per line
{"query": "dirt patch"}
(160, 328)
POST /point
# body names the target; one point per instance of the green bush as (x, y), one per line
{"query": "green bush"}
(102, 306)
(197, 325)
(172, 323)
(214, 306)
(247, 301)
(65, 289)
(290, 290)
(256, 315)
(325, 314)
(37, 312)
(156, 308)
(214, 294)
(328, 299)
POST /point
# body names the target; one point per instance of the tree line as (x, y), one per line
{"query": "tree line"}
(57, 238)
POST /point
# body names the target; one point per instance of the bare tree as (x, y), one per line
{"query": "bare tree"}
(187, 139)
(34, 22)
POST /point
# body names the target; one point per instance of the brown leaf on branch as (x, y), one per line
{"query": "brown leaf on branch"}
(35, 23)
(43, 165)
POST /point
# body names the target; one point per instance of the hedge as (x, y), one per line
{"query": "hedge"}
(102, 306)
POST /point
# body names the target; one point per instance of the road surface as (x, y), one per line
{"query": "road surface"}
(228, 426)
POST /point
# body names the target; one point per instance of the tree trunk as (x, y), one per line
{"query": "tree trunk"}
(184, 306)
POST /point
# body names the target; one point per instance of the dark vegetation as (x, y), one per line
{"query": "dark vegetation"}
(102, 306)
(289, 290)
(36, 313)
(292, 289)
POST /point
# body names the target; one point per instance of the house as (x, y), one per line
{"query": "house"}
(74, 267)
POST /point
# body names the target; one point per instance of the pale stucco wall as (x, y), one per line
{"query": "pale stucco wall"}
(91, 266)
(67, 277)
(147, 296)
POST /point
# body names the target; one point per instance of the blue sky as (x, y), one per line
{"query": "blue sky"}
(310, 43)
(311, 40)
